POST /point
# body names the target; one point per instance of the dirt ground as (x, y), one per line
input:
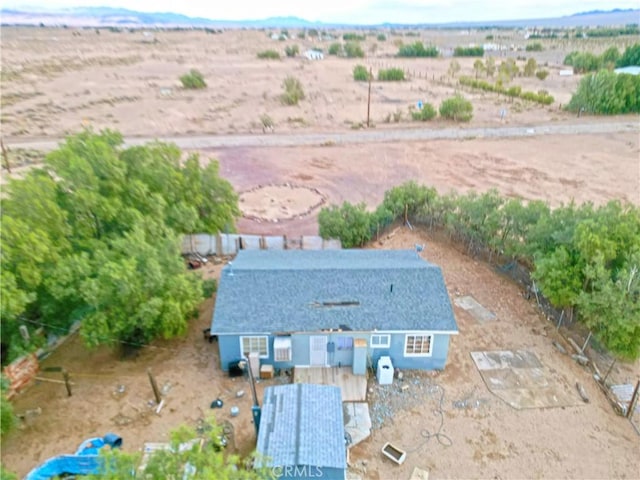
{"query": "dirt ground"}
(55, 81)
(490, 440)
(556, 169)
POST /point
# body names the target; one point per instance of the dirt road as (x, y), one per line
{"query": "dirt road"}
(364, 136)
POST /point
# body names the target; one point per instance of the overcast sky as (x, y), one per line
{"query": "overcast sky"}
(353, 11)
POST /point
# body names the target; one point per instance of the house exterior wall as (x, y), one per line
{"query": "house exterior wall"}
(229, 347)
(305, 472)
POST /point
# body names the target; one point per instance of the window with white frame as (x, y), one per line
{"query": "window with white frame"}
(282, 349)
(380, 341)
(417, 345)
(256, 344)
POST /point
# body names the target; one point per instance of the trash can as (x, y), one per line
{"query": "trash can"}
(385, 371)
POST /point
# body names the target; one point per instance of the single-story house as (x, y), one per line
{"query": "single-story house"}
(333, 308)
(301, 433)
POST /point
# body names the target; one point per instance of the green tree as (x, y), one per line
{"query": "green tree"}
(534, 47)
(490, 66)
(417, 49)
(610, 56)
(631, 56)
(456, 108)
(607, 93)
(610, 308)
(7, 417)
(350, 223)
(530, 67)
(454, 68)
(97, 241)
(478, 67)
(189, 455)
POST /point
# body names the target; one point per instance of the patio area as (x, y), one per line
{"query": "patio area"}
(353, 387)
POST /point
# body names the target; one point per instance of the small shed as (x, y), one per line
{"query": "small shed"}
(302, 433)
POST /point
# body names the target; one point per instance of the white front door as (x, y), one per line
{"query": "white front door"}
(318, 351)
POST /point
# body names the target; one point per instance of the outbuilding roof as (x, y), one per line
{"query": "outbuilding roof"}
(302, 424)
(267, 291)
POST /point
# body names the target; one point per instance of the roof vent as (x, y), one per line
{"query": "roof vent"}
(230, 265)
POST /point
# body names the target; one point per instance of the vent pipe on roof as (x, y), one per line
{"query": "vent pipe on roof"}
(391, 289)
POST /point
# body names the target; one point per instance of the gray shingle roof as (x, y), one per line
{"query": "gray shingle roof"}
(302, 424)
(266, 291)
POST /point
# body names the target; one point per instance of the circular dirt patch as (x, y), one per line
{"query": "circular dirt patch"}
(273, 203)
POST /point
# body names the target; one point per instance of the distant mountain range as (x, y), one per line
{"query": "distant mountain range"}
(107, 16)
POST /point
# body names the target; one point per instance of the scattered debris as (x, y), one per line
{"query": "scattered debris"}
(559, 347)
(582, 392)
(235, 411)
(419, 474)
(217, 403)
(394, 453)
(240, 393)
(159, 408)
(581, 359)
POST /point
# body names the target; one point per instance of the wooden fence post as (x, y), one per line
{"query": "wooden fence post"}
(65, 376)
(154, 386)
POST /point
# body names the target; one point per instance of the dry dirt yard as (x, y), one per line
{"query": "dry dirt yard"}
(489, 438)
(56, 81)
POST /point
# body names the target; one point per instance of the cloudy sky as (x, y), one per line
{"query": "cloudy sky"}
(353, 11)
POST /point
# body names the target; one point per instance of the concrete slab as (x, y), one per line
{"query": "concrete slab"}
(419, 474)
(476, 310)
(357, 421)
(519, 379)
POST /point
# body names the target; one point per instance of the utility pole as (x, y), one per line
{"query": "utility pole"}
(369, 97)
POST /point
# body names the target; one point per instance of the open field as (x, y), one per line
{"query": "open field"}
(55, 81)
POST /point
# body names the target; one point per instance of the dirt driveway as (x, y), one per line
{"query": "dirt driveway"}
(488, 437)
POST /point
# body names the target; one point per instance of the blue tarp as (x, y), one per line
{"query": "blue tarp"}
(86, 460)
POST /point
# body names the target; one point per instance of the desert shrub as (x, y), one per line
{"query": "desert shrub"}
(335, 49)
(312, 32)
(301, 34)
(456, 108)
(427, 112)
(489, 37)
(360, 73)
(468, 51)
(293, 91)
(269, 55)
(193, 80)
(353, 50)
(534, 47)
(610, 56)
(530, 67)
(631, 56)
(291, 50)
(381, 37)
(542, 96)
(583, 62)
(542, 74)
(391, 75)
(353, 37)
(607, 93)
(417, 49)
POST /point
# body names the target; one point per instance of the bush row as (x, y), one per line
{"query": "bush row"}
(468, 51)
(585, 259)
(607, 93)
(542, 96)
